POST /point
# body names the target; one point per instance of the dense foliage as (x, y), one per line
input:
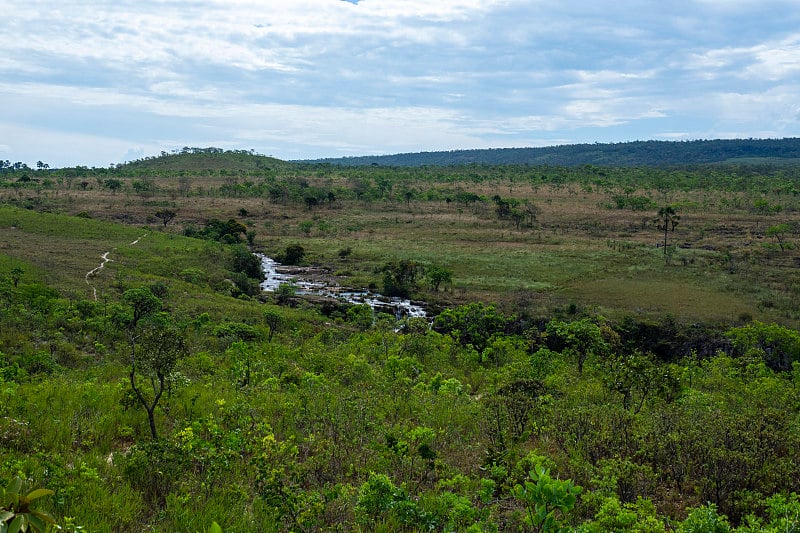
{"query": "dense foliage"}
(163, 391)
(466, 427)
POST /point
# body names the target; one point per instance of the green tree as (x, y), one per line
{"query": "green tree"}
(151, 361)
(779, 232)
(16, 275)
(113, 184)
(293, 254)
(778, 346)
(246, 263)
(635, 517)
(160, 347)
(166, 215)
(473, 324)
(436, 275)
(666, 221)
(580, 339)
(399, 277)
(705, 520)
(273, 320)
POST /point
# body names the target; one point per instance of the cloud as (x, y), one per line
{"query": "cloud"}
(328, 77)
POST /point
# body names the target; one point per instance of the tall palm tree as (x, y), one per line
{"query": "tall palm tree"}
(667, 219)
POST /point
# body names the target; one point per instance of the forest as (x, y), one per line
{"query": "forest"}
(627, 154)
(605, 347)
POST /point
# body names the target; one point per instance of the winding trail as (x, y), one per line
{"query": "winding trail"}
(94, 271)
(97, 269)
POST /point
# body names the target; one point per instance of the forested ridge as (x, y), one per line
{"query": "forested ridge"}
(607, 348)
(635, 153)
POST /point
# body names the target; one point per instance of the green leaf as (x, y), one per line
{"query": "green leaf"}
(43, 515)
(14, 486)
(215, 528)
(38, 493)
(37, 523)
(17, 525)
(5, 516)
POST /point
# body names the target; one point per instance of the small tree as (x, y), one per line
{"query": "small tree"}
(473, 324)
(273, 319)
(161, 345)
(437, 275)
(16, 275)
(154, 347)
(113, 184)
(667, 220)
(165, 215)
(581, 339)
(778, 232)
(292, 255)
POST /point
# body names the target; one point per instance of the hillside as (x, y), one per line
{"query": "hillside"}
(629, 154)
(195, 159)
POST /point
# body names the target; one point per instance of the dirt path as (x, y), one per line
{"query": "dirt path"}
(97, 269)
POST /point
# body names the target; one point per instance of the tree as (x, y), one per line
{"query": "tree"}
(141, 302)
(473, 324)
(160, 347)
(778, 232)
(778, 346)
(517, 217)
(113, 184)
(165, 215)
(144, 187)
(16, 275)
(666, 220)
(293, 254)
(437, 275)
(531, 211)
(245, 262)
(399, 277)
(153, 360)
(580, 339)
(273, 319)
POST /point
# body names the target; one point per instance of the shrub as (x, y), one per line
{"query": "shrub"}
(292, 255)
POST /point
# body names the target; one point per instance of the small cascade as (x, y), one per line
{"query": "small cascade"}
(276, 275)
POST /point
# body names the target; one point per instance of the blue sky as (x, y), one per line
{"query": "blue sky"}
(102, 82)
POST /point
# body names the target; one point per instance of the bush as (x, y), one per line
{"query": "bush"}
(292, 255)
(246, 263)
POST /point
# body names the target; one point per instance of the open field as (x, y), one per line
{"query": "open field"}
(581, 249)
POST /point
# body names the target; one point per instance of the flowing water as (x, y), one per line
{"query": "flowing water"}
(275, 276)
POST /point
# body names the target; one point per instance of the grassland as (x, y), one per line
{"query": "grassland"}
(581, 249)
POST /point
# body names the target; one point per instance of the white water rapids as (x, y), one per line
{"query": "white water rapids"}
(399, 307)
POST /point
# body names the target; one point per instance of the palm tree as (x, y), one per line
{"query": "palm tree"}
(667, 220)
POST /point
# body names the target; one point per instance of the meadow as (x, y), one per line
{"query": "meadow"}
(575, 373)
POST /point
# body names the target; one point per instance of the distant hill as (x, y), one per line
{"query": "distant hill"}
(195, 159)
(628, 154)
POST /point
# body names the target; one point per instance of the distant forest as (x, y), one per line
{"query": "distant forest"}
(628, 154)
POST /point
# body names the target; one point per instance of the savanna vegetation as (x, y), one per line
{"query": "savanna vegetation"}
(607, 349)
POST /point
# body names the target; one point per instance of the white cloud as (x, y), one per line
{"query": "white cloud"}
(323, 77)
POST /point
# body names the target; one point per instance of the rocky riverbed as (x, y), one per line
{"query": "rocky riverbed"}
(319, 282)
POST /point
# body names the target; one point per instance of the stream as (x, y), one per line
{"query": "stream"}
(276, 274)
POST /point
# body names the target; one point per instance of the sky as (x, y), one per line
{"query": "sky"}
(100, 82)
